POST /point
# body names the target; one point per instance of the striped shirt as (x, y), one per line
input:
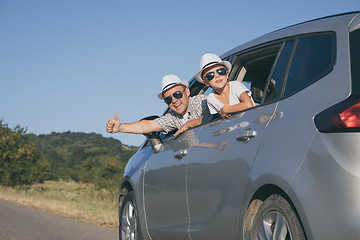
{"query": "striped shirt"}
(172, 120)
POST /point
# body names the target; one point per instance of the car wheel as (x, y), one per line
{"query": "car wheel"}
(128, 216)
(276, 220)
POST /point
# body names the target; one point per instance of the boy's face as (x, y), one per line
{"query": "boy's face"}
(215, 76)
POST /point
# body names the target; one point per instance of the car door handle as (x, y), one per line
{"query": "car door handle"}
(248, 134)
(181, 154)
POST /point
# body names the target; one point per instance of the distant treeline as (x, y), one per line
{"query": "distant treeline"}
(28, 158)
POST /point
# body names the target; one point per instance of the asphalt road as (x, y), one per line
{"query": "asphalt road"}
(19, 222)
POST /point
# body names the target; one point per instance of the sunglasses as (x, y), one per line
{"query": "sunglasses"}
(177, 95)
(210, 75)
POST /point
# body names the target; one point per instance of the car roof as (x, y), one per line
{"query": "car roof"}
(328, 23)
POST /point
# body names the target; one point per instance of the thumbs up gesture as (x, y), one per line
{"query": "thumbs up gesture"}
(113, 125)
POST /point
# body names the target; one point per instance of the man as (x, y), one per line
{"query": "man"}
(176, 94)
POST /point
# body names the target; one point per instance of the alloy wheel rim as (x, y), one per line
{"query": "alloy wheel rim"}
(274, 226)
(128, 222)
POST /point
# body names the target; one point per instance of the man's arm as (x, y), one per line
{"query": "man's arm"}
(139, 127)
(189, 124)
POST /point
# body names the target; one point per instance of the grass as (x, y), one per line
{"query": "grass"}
(80, 201)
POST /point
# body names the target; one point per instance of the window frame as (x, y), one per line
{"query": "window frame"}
(254, 54)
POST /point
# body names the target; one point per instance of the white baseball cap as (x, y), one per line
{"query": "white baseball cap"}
(208, 60)
(170, 81)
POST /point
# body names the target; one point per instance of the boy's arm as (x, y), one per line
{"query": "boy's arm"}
(244, 104)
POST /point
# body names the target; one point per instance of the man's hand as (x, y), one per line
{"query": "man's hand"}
(189, 124)
(113, 125)
(181, 130)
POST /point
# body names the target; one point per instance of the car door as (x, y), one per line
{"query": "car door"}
(165, 190)
(219, 166)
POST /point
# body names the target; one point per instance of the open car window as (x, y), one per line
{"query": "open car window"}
(255, 68)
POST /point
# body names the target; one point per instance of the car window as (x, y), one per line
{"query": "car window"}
(253, 69)
(314, 57)
(275, 85)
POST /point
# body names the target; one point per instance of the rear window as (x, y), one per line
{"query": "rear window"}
(314, 57)
(355, 59)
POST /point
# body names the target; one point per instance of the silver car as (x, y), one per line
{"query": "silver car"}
(288, 168)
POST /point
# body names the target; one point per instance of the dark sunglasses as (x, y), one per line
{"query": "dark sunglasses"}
(177, 95)
(210, 75)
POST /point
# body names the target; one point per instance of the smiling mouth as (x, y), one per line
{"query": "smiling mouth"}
(176, 105)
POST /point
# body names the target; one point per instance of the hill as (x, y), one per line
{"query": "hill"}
(82, 157)
(86, 157)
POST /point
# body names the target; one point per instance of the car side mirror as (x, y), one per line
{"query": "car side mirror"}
(154, 137)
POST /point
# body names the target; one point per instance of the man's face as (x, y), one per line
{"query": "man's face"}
(180, 105)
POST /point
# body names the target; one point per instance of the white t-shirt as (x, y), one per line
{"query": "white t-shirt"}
(236, 89)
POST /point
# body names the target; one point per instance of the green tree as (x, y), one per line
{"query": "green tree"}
(20, 160)
(104, 171)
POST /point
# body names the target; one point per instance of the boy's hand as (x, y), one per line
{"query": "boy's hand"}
(113, 125)
(223, 112)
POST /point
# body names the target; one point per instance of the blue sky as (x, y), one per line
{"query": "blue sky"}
(69, 65)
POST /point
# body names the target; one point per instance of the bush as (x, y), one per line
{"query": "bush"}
(20, 161)
(104, 171)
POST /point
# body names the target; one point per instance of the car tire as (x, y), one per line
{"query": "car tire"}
(128, 218)
(276, 220)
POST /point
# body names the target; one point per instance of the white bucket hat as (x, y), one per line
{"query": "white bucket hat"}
(170, 81)
(208, 60)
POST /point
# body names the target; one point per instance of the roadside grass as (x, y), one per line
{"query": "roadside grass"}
(80, 201)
